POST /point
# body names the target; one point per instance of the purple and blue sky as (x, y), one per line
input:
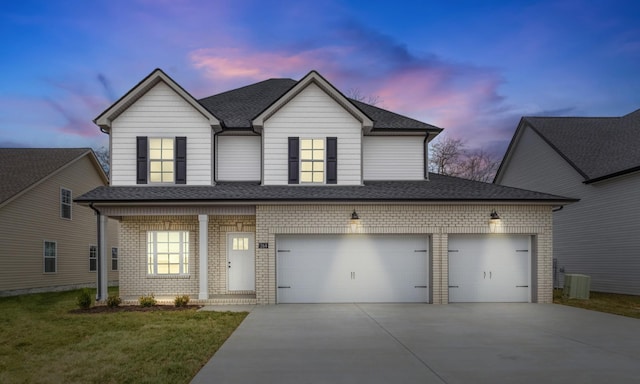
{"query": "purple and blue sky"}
(471, 67)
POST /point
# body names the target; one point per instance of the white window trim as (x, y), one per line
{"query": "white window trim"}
(162, 161)
(324, 161)
(70, 204)
(152, 256)
(44, 256)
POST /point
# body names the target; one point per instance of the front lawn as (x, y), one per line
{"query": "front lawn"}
(618, 304)
(41, 341)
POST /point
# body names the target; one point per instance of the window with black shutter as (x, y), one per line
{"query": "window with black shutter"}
(294, 156)
(332, 160)
(141, 159)
(181, 160)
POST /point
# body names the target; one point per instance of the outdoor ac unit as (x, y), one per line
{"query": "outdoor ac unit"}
(576, 286)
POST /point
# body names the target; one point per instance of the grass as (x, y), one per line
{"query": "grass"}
(618, 304)
(42, 342)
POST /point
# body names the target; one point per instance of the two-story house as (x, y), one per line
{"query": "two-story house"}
(287, 191)
(595, 159)
(47, 243)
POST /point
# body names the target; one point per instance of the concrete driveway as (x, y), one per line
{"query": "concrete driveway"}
(422, 343)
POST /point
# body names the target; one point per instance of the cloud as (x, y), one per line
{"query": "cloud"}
(461, 97)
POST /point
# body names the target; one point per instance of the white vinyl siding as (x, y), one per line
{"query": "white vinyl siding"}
(238, 158)
(598, 236)
(161, 113)
(393, 157)
(312, 114)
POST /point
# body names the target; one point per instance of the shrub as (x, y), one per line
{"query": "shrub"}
(181, 301)
(113, 301)
(147, 301)
(85, 299)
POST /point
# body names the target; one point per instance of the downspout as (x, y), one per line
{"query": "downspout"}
(99, 294)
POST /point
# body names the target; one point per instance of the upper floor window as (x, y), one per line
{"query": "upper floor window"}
(312, 160)
(161, 160)
(161, 166)
(65, 203)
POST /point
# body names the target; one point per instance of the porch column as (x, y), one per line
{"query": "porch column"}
(204, 257)
(103, 278)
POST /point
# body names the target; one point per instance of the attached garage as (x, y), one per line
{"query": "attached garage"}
(490, 268)
(352, 268)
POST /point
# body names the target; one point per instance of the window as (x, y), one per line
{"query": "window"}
(161, 166)
(65, 203)
(312, 160)
(114, 259)
(168, 253)
(93, 258)
(50, 256)
(307, 162)
(240, 244)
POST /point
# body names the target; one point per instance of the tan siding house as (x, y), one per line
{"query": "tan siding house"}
(46, 239)
(337, 206)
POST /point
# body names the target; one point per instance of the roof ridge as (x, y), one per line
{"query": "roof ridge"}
(245, 86)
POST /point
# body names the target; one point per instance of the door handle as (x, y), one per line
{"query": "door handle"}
(229, 264)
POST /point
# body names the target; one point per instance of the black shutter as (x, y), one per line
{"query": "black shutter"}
(332, 160)
(294, 163)
(181, 160)
(141, 159)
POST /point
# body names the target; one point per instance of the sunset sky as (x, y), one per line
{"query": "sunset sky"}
(471, 67)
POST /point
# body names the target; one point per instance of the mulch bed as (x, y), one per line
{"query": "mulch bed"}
(134, 308)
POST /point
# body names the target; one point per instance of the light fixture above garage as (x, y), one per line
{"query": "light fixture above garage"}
(355, 221)
(495, 221)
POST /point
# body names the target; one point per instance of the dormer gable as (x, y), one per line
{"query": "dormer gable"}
(313, 77)
(105, 119)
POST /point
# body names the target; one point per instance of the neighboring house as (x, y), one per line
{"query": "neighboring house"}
(47, 242)
(286, 191)
(595, 159)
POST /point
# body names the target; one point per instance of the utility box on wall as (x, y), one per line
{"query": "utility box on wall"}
(576, 286)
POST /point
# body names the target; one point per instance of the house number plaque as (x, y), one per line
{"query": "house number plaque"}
(263, 245)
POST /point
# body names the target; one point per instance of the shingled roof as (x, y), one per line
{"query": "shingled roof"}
(438, 189)
(21, 168)
(597, 147)
(237, 108)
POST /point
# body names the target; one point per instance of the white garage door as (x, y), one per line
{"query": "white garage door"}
(489, 268)
(352, 268)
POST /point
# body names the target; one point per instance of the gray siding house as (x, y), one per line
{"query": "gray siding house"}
(597, 160)
(287, 191)
(47, 242)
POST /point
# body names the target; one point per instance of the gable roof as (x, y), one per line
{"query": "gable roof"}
(243, 107)
(23, 168)
(105, 118)
(439, 188)
(597, 148)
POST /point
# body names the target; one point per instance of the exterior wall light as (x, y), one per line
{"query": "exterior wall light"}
(355, 221)
(494, 222)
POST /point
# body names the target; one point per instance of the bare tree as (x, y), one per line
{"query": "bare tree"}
(102, 154)
(445, 156)
(448, 156)
(479, 165)
(356, 94)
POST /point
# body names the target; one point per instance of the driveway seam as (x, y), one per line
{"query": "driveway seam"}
(402, 344)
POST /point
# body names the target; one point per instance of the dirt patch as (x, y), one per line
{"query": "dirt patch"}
(134, 308)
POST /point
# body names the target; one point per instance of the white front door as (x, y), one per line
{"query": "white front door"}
(241, 261)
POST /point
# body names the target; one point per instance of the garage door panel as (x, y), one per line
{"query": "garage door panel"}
(352, 268)
(494, 268)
